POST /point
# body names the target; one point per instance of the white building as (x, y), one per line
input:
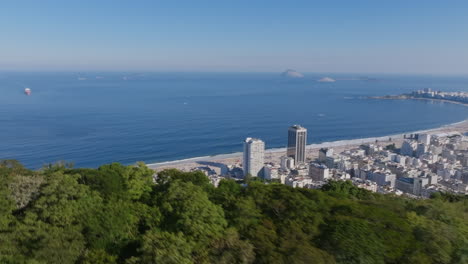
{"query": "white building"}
(432, 178)
(254, 155)
(343, 165)
(298, 182)
(318, 172)
(364, 184)
(270, 172)
(382, 178)
(424, 139)
(287, 163)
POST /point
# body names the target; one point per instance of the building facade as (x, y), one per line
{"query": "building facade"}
(324, 153)
(408, 147)
(254, 155)
(318, 172)
(287, 163)
(271, 172)
(297, 140)
(424, 139)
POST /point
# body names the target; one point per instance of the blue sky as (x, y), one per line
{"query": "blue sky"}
(310, 36)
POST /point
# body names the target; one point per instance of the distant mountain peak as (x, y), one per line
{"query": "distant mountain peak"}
(292, 74)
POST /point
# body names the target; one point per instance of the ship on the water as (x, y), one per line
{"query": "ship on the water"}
(27, 91)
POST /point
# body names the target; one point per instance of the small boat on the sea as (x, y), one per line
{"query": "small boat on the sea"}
(27, 91)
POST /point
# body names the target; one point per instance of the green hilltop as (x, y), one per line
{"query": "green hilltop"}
(120, 214)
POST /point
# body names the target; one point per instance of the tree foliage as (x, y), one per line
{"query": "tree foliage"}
(123, 214)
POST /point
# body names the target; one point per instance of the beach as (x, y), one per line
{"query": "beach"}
(273, 155)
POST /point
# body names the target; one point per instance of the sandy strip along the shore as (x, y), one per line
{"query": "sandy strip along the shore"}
(273, 155)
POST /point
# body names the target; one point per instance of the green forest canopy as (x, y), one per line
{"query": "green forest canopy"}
(119, 214)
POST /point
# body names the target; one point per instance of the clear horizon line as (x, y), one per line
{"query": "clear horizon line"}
(219, 71)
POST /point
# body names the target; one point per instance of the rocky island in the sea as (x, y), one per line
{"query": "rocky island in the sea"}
(326, 79)
(292, 74)
(428, 94)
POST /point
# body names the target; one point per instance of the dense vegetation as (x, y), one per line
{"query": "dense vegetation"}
(118, 214)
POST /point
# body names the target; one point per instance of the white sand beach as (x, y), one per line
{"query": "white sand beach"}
(273, 155)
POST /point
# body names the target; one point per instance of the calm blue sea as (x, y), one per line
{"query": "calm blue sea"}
(96, 118)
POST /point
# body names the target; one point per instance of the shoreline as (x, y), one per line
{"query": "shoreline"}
(273, 154)
(406, 97)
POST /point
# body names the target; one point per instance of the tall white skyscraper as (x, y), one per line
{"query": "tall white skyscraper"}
(254, 154)
(297, 140)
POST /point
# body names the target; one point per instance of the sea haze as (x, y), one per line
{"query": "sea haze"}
(96, 118)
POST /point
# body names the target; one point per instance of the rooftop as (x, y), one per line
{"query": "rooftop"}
(251, 140)
(297, 127)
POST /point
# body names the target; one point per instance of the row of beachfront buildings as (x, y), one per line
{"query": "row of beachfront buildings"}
(461, 97)
(420, 165)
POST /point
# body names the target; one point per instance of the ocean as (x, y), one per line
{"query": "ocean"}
(95, 118)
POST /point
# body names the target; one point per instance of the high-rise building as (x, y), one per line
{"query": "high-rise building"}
(254, 154)
(297, 140)
(424, 138)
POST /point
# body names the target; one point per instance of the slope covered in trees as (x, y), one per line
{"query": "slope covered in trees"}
(119, 214)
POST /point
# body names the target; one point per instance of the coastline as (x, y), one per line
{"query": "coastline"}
(274, 154)
(405, 97)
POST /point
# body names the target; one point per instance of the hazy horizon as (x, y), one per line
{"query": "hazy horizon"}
(195, 71)
(400, 37)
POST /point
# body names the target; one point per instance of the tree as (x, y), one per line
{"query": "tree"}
(51, 229)
(126, 182)
(351, 240)
(187, 209)
(197, 178)
(165, 248)
(119, 214)
(98, 256)
(231, 249)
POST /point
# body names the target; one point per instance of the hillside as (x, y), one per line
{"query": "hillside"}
(118, 214)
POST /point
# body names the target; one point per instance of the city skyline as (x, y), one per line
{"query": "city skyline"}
(343, 37)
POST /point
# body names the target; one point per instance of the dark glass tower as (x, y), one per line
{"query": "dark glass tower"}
(297, 140)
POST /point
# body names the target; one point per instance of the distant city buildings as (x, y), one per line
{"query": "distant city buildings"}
(461, 97)
(297, 140)
(254, 155)
(417, 165)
